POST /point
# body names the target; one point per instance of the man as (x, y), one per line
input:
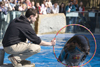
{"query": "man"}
(38, 8)
(49, 3)
(71, 7)
(14, 41)
(76, 5)
(70, 20)
(55, 8)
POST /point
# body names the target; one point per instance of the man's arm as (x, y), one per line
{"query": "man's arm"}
(44, 43)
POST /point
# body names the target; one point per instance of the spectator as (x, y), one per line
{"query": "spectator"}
(81, 14)
(55, 8)
(22, 1)
(7, 5)
(38, 8)
(67, 8)
(12, 4)
(2, 8)
(15, 2)
(81, 7)
(82, 19)
(49, 9)
(19, 4)
(22, 7)
(71, 20)
(44, 7)
(33, 5)
(62, 8)
(76, 5)
(92, 22)
(70, 7)
(49, 3)
(75, 2)
(28, 3)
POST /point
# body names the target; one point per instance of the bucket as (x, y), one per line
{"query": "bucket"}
(2, 53)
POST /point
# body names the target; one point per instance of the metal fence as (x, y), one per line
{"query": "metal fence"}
(89, 19)
(5, 20)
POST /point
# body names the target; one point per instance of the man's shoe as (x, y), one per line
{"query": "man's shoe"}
(15, 63)
(25, 62)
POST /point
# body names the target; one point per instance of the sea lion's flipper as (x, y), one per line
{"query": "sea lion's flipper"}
(62, 55)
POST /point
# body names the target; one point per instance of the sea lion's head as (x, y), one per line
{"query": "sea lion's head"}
(79, 41)
(75, 50)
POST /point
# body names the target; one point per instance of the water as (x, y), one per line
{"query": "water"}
(46, 57)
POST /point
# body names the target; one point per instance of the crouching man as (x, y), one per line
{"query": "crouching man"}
(75, 50)
(14, 41)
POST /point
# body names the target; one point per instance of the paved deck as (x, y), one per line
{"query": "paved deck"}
(10, 65)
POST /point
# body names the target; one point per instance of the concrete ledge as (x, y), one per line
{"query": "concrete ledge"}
(50, 23)
(10, 65)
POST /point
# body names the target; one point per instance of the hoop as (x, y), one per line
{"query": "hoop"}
(89, 32)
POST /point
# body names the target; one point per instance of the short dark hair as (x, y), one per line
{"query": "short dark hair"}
(30, 11)
(2, 3)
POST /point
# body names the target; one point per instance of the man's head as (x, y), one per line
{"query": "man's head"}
(37, 4)
(31, 15)
(55, 4)
(79, 41)
(44, 1)
(81, 3)
(71, 3)
(2, 4)
(62, 4)
(33, 3)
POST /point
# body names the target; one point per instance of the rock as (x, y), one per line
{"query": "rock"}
(50, 23)
(10, 65)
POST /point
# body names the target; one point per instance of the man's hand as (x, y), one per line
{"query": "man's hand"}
(0, 9)
(53, 42)
(69, 10)
(44, 43)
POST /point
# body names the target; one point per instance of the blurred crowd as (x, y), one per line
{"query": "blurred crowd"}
(45, 8)
(22, 5)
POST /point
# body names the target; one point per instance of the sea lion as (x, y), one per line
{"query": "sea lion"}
(75, 50)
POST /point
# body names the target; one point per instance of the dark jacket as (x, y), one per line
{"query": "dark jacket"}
(73, 9)
(60, 10)
(76, 6)
(18, 30)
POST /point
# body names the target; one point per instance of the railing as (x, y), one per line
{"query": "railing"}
(89, 19)
(5, 20)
